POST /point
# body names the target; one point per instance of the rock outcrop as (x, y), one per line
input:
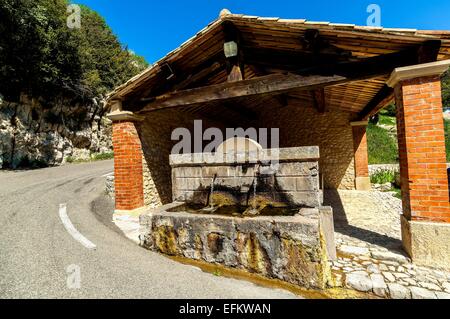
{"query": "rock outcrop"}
(33, 134)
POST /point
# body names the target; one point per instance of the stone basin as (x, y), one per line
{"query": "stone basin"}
(243, 178)
(254, 209)
(295, 249)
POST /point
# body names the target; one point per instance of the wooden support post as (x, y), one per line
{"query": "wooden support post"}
(233, 53)
(427, 52)
(319, 100)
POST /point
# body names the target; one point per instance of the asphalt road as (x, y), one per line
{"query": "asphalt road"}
(38, 257)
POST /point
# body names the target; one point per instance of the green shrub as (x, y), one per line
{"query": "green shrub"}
(390, 110)
(383, 177)
(382, 147)
(387, 120)
(398, 192)
(447, 138)
(93, 157)
(102, 156)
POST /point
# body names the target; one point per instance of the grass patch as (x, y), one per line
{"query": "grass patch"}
(382, 147)
(388, 176)
(93, 158)
(102, 156)
(383, 177)
(397, 191)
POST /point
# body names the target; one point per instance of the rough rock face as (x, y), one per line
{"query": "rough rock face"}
(33, 134)
(293, 249)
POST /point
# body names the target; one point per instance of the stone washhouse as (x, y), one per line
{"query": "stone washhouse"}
(318, 83)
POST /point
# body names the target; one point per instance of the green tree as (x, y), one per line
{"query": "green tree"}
(446, 90)
(41, 56)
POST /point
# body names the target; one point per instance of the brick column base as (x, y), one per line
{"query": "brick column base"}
(128, 171)
(423, 169)
(427, 243)
(362, 179)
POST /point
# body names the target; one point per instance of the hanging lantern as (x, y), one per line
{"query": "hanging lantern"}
(230, 49)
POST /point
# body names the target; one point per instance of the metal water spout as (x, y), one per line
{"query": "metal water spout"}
(211, 194)
(255, 185)
(254, 211)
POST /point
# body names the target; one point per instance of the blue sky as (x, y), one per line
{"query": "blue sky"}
(152, 28)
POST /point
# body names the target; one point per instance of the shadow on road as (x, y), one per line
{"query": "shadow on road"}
(103, 209)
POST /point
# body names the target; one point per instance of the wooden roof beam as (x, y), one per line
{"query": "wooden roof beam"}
(381, 99)
(275, 84)
(427, 52)
(233, 52)
(290, 59)
(193, 78)
(313, 42)
(333, 64)
(366, 68)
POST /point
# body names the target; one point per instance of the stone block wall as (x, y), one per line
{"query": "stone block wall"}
(295, 182)
(302, 125)
(155, 133)
(294, 249)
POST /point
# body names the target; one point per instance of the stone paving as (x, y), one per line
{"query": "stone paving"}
(129, 225)
(370, 256)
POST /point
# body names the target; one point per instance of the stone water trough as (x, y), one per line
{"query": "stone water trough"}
(252, 209)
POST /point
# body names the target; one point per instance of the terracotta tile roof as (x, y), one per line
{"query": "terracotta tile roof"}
(361, 33)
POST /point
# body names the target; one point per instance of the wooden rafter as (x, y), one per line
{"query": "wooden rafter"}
(179, 80)
(427, 52)
(193, 78)
(304, 63)
(271, 84)
(366, 68)
(289, 60)
(383, 97)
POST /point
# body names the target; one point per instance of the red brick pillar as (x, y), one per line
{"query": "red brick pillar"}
(362, 179)
(128, 171)
(423, 170)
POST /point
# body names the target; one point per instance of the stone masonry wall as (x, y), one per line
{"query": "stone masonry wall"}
(299, 125)
(155, 133)
(292, 249)
(302, 125)
(295, 182)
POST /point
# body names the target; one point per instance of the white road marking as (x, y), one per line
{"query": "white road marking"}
(107, 174)
(72, 230)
